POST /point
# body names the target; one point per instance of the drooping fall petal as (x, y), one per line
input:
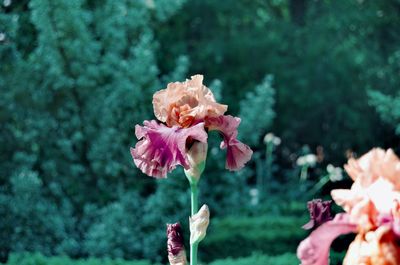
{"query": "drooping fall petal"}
(238, 154)
(184, 103)
(176, 249)
(160, 148)
(314, 250)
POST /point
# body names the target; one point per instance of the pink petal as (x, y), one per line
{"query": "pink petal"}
(160, 148)
(314, 250)
(238, 154)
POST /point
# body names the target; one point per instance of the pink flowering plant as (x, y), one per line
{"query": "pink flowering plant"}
(186, 112)
(372, 211)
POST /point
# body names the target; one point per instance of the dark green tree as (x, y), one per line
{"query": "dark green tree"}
(76, 76)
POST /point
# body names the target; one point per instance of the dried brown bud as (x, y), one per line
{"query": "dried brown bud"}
(176, 249)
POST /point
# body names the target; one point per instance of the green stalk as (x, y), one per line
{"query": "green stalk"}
(194, 198)
(319, 185)
(303, 174)
(195, 207)
(268, 172)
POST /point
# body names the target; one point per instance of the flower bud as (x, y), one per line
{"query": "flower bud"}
(198, 224)
(197, 155)
(320, 212)
(176, 249)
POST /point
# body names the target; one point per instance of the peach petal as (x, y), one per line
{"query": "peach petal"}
(374, 248)
(186, 103)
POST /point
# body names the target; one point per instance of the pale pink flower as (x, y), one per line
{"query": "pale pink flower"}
(373, 208)
(374, 174)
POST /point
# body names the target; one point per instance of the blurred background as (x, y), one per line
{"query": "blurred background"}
(314, 81)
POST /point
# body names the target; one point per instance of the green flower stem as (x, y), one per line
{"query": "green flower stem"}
(193, 253)
(194, 192)
(195, 207)
(303, 174)
(319, 185)
(268, 161)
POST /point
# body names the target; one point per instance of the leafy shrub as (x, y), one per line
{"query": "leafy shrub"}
(34, 222)
(388, 107)
(241, 236)
(117, 230)
(68, 112)
(256, 104)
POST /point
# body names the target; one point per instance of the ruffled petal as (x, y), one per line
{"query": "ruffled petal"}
(375, 247)
(314, 250)
(382, 203)
(186, 103)
(238, 154)
(375, 164)
(160, 148)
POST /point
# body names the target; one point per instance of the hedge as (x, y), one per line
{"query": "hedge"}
(241, 236)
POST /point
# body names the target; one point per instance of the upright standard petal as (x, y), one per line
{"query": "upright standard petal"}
(160, 148)
(375, 164)
(185, 103)
(314, 250)
(238, 154)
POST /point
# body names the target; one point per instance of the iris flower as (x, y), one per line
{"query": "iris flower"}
(186, 111)
(372, 210)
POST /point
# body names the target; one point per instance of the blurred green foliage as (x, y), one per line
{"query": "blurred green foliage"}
(285, 259)
(324, 56)
(39, 259)
(241, 236)
(77, 75)
(388, 108)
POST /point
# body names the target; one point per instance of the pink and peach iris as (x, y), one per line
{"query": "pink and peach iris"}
(187, 111)
(372, 207)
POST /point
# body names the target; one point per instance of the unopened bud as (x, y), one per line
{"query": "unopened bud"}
(176, 249)
(197, 156)
(320, 212)
(198, 224)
